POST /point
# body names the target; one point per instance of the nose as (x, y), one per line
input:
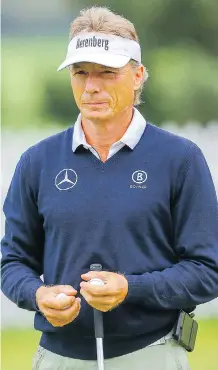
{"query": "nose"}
(92, 84)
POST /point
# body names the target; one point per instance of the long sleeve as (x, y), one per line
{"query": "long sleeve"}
(193, 279)
(22, 245)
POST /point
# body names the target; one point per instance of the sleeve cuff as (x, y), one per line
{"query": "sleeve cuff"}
(33, 287)
(137, 285)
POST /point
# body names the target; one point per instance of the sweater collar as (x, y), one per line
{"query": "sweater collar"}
(130, 138)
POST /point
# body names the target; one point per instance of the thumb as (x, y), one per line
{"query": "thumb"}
(66, 289)
(94, 274)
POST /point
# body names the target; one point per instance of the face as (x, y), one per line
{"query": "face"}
(102, 92)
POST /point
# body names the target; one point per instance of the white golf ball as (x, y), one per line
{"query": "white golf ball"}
(62, 296)
(96, 281)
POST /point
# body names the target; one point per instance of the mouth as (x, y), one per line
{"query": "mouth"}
(95, 103)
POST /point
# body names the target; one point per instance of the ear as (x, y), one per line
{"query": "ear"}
(138, 76)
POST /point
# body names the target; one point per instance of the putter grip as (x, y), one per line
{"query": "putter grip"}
(98, 322)
(98, 317)
(95, 267)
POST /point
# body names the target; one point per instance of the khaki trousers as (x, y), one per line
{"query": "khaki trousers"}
(166, 356)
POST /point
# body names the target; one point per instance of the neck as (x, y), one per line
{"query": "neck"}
(102, 134)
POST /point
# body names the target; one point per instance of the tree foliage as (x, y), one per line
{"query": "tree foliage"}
(180, 49)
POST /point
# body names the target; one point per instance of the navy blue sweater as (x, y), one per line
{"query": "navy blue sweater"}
(158, 227)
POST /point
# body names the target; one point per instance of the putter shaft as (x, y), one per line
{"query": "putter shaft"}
(99, 329)
(100, 354)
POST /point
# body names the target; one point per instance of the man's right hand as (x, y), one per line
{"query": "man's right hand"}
(54, 309)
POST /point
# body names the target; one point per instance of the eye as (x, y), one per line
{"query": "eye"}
(80, 73)
(108, 72)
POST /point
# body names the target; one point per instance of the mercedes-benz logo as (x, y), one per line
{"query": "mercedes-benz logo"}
(66, 179)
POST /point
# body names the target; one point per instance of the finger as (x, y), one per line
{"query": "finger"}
(90, 299)
(59, 323)
(95, 274)
(57, 304)
(66, 315)
(66, 289)
(85, 294)
(56, 324)
(97, 290)
(97, 301)
(98, 305)
(73, 312)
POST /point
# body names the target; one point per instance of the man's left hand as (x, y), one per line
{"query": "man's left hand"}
(108, 296)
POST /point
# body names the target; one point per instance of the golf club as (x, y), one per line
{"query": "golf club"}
(98, 321)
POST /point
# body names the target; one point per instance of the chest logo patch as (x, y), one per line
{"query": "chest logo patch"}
(66, 179)
(139, 177)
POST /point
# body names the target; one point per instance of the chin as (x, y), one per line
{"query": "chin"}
(99, 115)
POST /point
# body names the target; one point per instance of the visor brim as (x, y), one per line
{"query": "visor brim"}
(109, 60)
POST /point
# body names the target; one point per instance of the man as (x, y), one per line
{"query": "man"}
(115, 190)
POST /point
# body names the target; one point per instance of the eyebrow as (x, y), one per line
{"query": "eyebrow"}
(77, 65)
(101, 66)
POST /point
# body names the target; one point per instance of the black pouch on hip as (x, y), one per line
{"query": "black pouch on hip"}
(186, 331)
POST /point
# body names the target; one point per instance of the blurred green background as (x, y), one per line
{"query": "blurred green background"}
(180, 50)
(18, 348)
(179, 45)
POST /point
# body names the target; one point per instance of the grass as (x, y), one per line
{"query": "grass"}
(18, 347)
(205, 355)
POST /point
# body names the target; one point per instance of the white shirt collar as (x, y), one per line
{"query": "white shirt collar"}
(130, 138)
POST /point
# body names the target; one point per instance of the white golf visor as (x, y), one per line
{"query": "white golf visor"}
(108, 50)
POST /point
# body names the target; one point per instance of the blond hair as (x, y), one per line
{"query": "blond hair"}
(103, 20)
